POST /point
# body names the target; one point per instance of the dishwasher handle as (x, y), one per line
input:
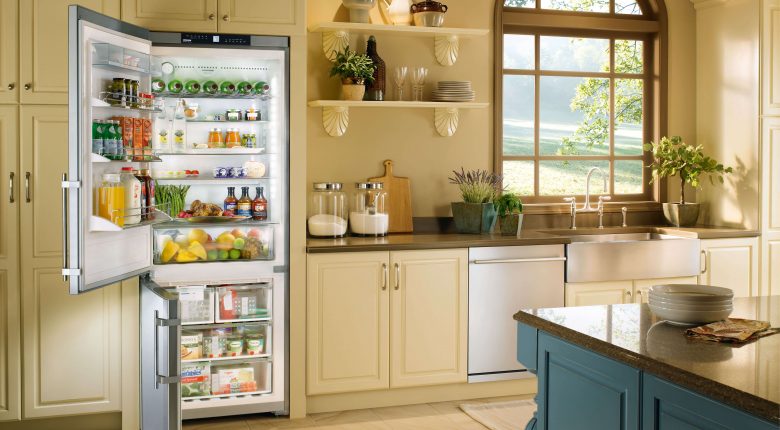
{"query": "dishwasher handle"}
(519, 260)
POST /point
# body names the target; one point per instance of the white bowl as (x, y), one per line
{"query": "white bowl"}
(664, 300)
(689, 316)
(691, 292)
(689, 307)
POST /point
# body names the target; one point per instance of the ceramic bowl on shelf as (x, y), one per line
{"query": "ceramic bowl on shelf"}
(359, 9)
(428, 13)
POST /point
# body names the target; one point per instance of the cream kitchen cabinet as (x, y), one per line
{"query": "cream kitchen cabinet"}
(9, 51)
(10, 359)
(616, 292)
(224, 16)
(731, 263)
(72, 344)
(44, 47)
(770, 220)
(380, 320)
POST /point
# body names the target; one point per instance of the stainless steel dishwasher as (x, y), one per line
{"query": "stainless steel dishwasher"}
(503, 280)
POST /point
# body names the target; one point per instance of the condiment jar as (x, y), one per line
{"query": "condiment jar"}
(327, 210)
(369, 215)
(215, 138)
(232, 138)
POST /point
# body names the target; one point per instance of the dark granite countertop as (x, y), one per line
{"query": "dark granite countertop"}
(745, 377)
(397, 242)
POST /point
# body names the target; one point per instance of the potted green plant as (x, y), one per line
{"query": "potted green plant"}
(476, 213)
(671, 157)
(354, 70)
(509, 208)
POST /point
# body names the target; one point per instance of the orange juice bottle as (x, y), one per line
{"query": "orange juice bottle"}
(111, 199)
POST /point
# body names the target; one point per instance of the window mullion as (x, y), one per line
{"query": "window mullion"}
(537, 104)
(612, 113)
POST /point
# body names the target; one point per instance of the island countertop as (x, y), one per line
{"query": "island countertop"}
(746, 377)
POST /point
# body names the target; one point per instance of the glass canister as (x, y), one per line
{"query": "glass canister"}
(327, 210)
(232, 138)
(369, 215)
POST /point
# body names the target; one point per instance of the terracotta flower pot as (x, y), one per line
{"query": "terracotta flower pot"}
(473, 218)
(353, 89)
(681, 215)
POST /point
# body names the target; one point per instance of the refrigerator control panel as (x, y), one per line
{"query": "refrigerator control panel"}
(215, 39)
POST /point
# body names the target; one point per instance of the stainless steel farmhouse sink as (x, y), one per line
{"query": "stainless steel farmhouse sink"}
(614, 256)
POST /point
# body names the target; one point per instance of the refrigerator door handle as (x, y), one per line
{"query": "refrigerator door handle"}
(67, 272)
(170, 360)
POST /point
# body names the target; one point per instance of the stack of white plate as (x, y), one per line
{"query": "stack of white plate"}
(688, 304)
(454, 91)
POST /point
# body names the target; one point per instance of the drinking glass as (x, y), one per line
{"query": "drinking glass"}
(400, 80)
(418, 83)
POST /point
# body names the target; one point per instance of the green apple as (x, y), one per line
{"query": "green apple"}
(223, 254)
(235, 254)
(213, 255)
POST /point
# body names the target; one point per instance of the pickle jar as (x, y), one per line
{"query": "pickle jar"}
(327, 210)
(369, 215)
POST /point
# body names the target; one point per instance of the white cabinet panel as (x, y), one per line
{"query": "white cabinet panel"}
(599, 293)
(731, 263)
(771, 57)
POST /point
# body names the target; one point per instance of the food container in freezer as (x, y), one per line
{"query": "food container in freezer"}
(250, 377)
(215, 243)
(238, 341)
(197, 304)
(243, 303)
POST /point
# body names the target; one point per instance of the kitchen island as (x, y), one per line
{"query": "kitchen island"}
(619, 367)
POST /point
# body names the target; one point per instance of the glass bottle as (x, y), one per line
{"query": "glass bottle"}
(232, 138)
(151, 200)
(244, 88)
(227, 87)
(175, 86)
(244, 207)
(259, 206)
(375, 91)
(215, 138)
(192, 87)
(97, 137)
(210, 87)
(231, 202)
(111, 199)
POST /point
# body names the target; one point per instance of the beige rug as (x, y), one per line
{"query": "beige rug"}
(512, 415)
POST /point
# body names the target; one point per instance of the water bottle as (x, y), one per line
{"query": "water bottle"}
(109, 140)
(97, 137)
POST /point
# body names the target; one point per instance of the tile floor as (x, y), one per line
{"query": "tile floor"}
(429, 416)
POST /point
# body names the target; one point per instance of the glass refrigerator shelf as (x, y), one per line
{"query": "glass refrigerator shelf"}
(185, 95)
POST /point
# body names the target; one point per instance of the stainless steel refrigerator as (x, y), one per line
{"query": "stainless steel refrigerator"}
(207, 112)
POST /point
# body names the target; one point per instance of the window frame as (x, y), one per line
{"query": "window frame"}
(649, 27)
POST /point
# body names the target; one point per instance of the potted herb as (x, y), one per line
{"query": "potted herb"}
(672, 156)
(476, 213)
(354, 70)
(510, 213)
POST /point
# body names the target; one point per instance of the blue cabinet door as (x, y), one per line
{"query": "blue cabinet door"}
(666, 406)
(579, 389)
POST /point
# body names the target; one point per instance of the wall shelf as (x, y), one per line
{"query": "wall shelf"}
(335, 113)
(335, 37)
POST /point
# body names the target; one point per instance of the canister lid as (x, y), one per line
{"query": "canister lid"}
(369, 185)
(327, 186)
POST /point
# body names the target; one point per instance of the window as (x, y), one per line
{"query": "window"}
(577, 88)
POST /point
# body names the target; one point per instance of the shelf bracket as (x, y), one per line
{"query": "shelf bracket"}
(335, 119)
(333, 42)
(446, 48)
(446, 121)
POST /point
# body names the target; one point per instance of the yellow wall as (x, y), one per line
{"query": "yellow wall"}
(727, 109)
(408, 136)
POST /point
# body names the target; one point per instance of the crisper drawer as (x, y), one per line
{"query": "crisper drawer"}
(197, 304)
(236, 303)
(206, 380)
(174, 244)
(226, 342)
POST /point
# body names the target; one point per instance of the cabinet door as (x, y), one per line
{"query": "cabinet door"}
(9, 267)
(261, 16)
(428, 317)
(641, 287)
(770, 57)
(9, 51)
(72, 343)
(770, 219)
(44, 47)
(347, 322)
(172, 15)
(598, 293)
(731, 263)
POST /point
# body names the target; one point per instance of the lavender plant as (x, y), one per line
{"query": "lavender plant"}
(476, 186)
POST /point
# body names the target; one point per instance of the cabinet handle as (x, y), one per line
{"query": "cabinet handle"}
(397, 276)
(27, 86)
(27, 186)
(384, 276)
(639, 296)
(704, 266)
(628, 294)
(212, 17)
(11, 188)
(11, 86)
(226, 18)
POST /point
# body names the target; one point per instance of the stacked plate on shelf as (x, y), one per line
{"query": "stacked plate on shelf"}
(690, 304)
(453, 91)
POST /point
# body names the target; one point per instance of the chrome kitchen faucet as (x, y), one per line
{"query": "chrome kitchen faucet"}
(586, 207)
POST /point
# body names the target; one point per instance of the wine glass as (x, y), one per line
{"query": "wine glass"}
(400, 80)
(418, 83)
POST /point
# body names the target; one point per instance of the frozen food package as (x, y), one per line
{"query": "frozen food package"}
(195, 379)
(191, 345)
(230, 380)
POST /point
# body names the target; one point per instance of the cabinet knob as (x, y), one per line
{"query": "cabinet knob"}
(11, 86)
(212, 17)
(27, 86)
(226, 18)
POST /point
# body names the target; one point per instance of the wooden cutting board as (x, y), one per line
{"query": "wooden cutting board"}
(399, 199)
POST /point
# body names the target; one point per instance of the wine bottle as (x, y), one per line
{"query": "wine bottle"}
(245, 87)
(192, 87)
(227, 87)
(210, 87)
(175, 86)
